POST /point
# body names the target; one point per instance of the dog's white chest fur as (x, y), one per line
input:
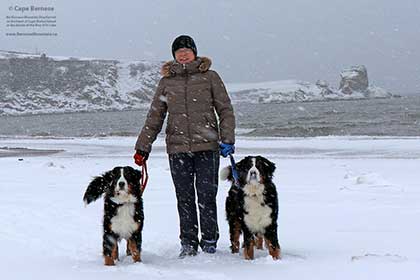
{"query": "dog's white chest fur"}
(258, 214)
(123, 223)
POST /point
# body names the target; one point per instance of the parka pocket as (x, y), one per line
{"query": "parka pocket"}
(212, 126)
(177, 125)
(211, 120)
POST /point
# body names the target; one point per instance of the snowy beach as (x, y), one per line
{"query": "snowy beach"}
(348, 210)
(328, 91)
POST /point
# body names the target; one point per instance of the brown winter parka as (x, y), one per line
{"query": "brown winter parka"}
(199, 110)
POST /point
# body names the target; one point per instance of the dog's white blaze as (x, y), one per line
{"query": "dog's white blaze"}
(258, 215)
(253, 169)
(122, 179)
(123, 223)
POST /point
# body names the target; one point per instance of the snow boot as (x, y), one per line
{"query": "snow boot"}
(187, 250)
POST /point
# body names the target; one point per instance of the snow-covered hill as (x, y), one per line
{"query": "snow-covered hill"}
(33, 84)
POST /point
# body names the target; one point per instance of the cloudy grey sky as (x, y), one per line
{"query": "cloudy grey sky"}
(249, 41)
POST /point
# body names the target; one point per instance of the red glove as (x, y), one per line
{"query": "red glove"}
(140, 157)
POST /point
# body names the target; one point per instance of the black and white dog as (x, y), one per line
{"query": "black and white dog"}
(123, 210)
(252, 207)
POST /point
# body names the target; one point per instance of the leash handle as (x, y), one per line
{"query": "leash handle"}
(234, 171)
(144, 177)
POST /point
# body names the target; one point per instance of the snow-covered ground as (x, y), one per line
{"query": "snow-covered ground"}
(349, 209)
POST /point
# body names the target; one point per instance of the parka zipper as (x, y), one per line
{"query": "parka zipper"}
(186, 106)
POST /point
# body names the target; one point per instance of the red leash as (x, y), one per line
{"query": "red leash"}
(144, 177)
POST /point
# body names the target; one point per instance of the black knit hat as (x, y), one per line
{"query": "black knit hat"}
(183, 41)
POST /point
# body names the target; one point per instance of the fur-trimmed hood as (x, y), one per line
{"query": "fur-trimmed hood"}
(172, 68)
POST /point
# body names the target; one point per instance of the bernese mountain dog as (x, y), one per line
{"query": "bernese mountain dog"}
(123, 210)
(252, 206)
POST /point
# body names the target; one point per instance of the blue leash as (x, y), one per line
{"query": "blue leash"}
(234, 171)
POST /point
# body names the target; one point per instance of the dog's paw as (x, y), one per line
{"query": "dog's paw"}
(275, 253)
(109, 261)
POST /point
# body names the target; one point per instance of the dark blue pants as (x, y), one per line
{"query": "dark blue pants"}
(193, 173)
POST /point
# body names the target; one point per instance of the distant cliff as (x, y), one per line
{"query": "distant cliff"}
(354, 84)
(33, 84)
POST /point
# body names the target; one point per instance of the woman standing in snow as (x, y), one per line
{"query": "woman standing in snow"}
(191, 95)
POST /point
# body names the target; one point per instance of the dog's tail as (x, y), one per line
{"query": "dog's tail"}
(226, 173)
(97, 187)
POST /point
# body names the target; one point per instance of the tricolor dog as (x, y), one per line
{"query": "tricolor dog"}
(123, 210)
(252, 206)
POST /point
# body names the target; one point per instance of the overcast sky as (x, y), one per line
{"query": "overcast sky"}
(248, 41)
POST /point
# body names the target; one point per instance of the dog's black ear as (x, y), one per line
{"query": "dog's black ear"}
(243, 163)
(98, 186)
(135, 174)
(226, 173)
(269, 167)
